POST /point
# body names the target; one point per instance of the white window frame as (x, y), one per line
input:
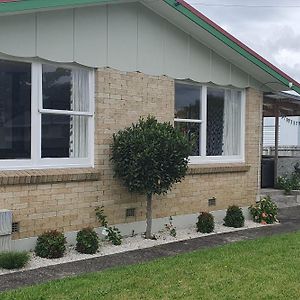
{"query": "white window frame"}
(36, 161)
(203, 158)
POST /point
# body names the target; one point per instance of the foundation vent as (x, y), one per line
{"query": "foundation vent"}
(130, 212)
(212, 201)
(15, 227)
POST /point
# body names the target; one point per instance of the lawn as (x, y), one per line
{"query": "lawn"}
(268, 268)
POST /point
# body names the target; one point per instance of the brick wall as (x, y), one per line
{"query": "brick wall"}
(65, 200)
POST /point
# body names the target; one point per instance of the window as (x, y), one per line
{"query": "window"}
(213, 120)
(15, 110)
(46, 116)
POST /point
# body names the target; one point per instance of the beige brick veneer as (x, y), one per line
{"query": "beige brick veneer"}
(66, 202)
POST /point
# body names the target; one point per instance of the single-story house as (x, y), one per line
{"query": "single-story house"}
(73, 72)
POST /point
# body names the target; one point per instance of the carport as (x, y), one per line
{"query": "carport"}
(279, 105)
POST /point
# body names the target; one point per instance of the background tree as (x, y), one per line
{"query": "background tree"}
(149, 157)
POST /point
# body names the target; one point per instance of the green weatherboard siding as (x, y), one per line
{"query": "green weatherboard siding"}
(219, 35)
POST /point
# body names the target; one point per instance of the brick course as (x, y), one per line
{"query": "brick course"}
(65, 200)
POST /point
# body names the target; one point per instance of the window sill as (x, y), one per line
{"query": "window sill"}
(48, 176)
(217, 168)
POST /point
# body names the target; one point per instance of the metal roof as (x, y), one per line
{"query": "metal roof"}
(287, 104)
(191, 21)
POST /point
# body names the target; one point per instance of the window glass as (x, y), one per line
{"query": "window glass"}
(223, 128)
(192, 131)
(64, 136)
(15, 110)
(187, 104)
(65, 89)
(215, 121)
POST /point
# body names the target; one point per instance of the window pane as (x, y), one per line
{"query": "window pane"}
(187, 101)
(64, 136)
(192, 131)
(215, 122)
(223, 122)
(65, 89)
(15, 110)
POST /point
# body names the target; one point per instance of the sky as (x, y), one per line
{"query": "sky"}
(269, 27)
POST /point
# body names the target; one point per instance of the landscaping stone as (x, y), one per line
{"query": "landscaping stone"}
(289, 217)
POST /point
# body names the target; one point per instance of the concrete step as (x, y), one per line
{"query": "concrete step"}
(281, 199)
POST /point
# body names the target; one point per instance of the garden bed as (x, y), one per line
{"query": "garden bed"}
(129, 244)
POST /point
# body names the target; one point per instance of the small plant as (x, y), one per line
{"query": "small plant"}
(87, 241)
(171, 228)
(289, 183)
(14, 260)
(51, 244)
(234, 217)
(264, 211)
(206, 223)
(111, 233)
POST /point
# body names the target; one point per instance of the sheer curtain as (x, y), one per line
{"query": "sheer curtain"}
(232, 123)
(79, 124)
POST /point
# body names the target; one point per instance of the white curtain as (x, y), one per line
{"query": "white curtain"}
(232, 123)
(79, 124)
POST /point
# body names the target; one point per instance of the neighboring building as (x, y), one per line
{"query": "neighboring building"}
(289, 132)
(72, 74)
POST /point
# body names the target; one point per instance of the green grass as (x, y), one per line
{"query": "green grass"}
(267, 268)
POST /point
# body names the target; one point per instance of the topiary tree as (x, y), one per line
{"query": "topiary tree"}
(149, 157)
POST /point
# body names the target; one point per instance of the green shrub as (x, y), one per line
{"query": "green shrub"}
(87, 241)
(289, 183)
(234, 217)
(206, 223)
(265, 211)
(51, 244)
(111, 233)
(14, 260)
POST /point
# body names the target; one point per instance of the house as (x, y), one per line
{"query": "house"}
(73, 72)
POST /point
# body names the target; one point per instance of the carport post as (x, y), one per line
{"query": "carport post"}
(277, 113)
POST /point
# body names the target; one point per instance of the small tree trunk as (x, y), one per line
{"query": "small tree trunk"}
(149, 216)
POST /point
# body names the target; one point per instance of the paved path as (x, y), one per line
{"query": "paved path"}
(289, 217)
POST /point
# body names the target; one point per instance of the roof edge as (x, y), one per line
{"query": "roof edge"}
(15, 6)
(207, 24)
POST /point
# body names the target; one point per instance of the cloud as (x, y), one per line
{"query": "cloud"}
(272, 31)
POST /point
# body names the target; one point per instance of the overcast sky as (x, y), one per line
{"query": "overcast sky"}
(273, 32)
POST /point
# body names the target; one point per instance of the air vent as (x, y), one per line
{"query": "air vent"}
(15, 227)
(212, 201)
(130, 212)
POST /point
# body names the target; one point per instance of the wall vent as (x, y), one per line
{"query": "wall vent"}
(130, 212)
(15, 227)
(212, 201)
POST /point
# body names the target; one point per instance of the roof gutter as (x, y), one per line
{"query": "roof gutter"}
(229, 40)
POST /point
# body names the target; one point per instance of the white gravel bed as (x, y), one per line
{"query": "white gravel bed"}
(128, 244)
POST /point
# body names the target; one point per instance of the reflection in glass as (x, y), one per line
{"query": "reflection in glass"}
(187, 101)
(65, 89)
(192, 131)
(15, 110)
(64, 136)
